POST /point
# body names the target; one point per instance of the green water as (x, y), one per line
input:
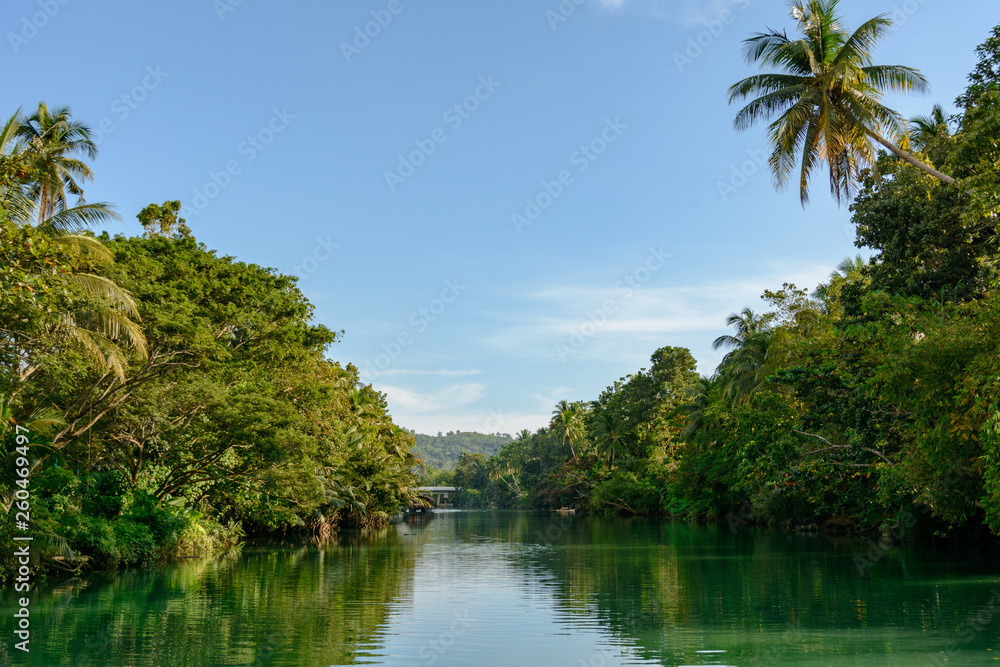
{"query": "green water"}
(485, 588)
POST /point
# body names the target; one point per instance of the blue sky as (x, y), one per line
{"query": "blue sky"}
(501, 204)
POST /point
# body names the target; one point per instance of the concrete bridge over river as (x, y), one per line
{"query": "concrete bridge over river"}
(440, 496)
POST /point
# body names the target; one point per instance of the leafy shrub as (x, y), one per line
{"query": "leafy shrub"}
(106, 494)
(626, 491)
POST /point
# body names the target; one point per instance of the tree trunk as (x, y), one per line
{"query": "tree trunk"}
(945, 178)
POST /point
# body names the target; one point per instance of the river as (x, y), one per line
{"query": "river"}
(492, 588)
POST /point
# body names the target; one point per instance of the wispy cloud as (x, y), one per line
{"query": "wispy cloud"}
(453, 396)
(423, 373)
(641, 322)
(687, 13)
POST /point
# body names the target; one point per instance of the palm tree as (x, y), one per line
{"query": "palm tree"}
(742, 369)
(15, 172)
(566, 420)
(928, 128)
(52, 139)
(698, 393)
(103, 323)
(827, 95)
(850, 268)
(38, 428)
(498, 472)
(609, 434)
(747, 324)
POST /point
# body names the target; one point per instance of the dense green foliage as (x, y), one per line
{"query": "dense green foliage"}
(442, 452)
(173, 399)
(871, 403)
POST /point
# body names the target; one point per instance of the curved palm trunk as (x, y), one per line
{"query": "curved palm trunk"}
(945, 178)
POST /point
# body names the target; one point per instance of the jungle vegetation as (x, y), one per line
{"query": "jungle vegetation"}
(871, 402)
(174, 399)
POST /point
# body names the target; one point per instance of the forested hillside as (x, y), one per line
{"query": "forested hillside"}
(443, 451)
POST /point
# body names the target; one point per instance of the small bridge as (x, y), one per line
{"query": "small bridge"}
(439, 496)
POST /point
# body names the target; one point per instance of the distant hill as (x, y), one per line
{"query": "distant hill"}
(443, 451)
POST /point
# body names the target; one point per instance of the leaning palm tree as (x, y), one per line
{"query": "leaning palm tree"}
(53, 139)
(827, 95)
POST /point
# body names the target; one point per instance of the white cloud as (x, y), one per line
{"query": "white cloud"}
(537, 319)
(548, 400)
(480, 422)
(687, 13)
(415, 372)
(447, 398)
(636, 323)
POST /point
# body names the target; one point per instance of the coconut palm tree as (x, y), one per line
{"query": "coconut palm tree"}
(105, 322)
(742, 369)
(567, 422)
(52, 139)
(698, 394)
(850, 268)
(926, 129)
(827, 95)
(15, 173)
(609, 435)
(747, 324)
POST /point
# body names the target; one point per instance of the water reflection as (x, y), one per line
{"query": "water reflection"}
(487, 588)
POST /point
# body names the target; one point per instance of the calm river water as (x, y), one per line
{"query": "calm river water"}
(477, 589)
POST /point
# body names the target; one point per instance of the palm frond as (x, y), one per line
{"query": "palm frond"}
(88, 246)
(83, 216)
